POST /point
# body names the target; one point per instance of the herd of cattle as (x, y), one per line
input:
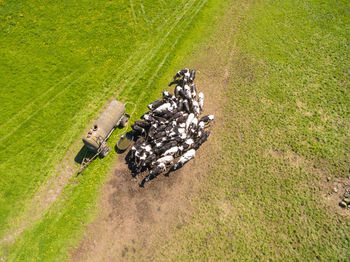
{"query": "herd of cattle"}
(171, 130)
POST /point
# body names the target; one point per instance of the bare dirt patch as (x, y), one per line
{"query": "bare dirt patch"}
(130, 214)
(334, 190)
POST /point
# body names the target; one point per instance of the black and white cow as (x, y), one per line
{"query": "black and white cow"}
(184, 159)
(153, 173)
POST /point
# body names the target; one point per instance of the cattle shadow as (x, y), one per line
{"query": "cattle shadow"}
(134, 170)
(179, 82)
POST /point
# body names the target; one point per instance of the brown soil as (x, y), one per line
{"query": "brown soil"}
(130, 214)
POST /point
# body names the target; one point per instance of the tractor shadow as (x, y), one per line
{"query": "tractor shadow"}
(83, 152)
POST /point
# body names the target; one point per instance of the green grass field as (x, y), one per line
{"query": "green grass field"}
(286, 119)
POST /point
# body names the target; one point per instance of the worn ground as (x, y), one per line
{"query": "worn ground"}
(132, 218)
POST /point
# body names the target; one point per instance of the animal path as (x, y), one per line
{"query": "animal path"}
(132, 217)
(139, 61)
(134, 221)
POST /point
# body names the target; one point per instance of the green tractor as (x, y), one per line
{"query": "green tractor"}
(96, 139)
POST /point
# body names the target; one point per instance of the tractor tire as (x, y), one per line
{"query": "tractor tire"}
(105, 151)
(124, 121)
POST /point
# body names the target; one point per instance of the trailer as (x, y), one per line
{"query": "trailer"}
(96, 139)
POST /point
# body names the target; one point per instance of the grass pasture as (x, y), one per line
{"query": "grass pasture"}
(282, 68)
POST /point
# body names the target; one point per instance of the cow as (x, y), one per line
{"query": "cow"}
(153, 173)
(184, 159)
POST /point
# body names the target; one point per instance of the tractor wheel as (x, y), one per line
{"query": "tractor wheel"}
(105, 151)
(124, 121)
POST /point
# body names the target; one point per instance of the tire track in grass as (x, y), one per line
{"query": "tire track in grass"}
(133, 12)
(157, 47)
(168, 53)
(145, 57)
(27, 107)
(143, 12)
(59, 183)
